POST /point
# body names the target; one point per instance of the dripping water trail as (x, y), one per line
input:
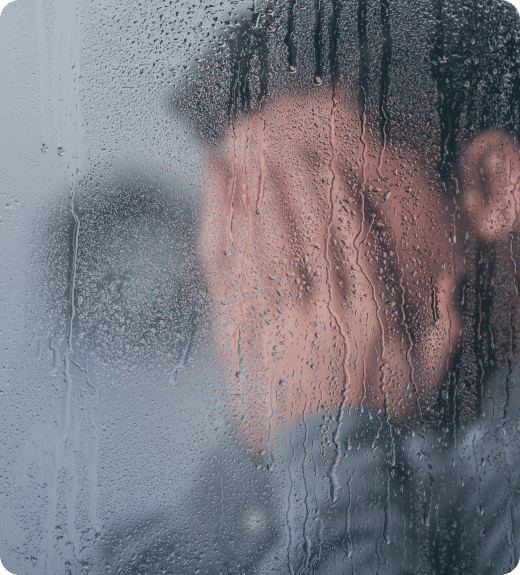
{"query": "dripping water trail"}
(306, 538)
(233, 182)
(433, 302)
(365, 145)
(288, 512)
(93, 461)
(261, 160)
(363, 48)
(319, 530)
(479, 335)
(318, 44)
(386, 59)
(43, 65)
(515, 296)
(363, 76)
(450, 346)
(378, 552)
(404, 324)
(361, 407)
(403, 518)
(220, 531)
(292, 51)
(383, 108)
(453, 233)
(347, 541)
(378, 431)
(454, 423)
(334, 38)
(512, 538)
(237, 332)
(319, 534)
(270, 435)
(69, 353)
(374, 298)
(482, 375)
(356, 242)
(320, 386)
(337, 319)
(386, 527)
(181, 355)
(480, 509)
(73, 490)
(56, 463)
(428, 494)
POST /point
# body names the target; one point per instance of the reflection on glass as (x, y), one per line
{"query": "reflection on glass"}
(266, 303)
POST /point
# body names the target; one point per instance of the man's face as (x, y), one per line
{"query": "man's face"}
(336, 264)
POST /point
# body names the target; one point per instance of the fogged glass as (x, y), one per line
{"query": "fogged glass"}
(259, 287)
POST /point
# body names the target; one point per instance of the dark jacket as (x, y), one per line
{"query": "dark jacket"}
(365, 498)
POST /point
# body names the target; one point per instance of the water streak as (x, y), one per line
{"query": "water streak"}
(288, 511)
(261, 160)
(93, 459)
(233, 180)
(292, 51)
(65, 423)
(347, 541)
(361, 408)
(357, 244)
(306, 538)
(220, 536)
(404, 324)
(386, 58)
(318, 44)
(386, 527)
(511, 534)
(182, 354)
(270, 434)
(237, 332)
(334, 36)
(337, 319)
(71, 505)
(42, 54)
(453, 233)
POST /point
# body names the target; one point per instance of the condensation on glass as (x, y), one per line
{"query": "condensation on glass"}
(260, 296)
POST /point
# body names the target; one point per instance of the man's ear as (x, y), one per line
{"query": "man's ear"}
(488, 175)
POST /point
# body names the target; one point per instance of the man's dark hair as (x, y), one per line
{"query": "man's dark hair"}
(429, 73)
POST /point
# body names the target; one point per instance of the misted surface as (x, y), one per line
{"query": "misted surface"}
(260, 295)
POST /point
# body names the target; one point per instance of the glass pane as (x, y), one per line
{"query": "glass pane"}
(260, 287)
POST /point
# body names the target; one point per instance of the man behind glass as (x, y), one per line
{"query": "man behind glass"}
(358, 246)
